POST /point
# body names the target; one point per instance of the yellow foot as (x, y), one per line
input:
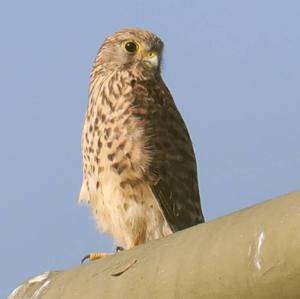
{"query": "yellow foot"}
(95, 256)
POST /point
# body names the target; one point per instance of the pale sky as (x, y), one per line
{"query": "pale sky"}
(232, 66)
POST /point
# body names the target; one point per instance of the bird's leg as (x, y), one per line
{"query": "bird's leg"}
(95, 256)
(99, 255)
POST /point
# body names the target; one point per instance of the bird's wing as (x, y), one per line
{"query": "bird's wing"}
(172, 172)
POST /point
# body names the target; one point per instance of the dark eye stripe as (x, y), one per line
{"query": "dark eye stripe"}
(131, 47)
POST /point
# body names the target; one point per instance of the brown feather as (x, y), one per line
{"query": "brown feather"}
(140, 175)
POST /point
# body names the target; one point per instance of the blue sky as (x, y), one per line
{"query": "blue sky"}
(233, 68)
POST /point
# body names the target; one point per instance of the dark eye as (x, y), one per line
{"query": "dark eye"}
(131, 47)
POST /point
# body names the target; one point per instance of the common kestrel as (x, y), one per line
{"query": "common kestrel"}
(140, 174)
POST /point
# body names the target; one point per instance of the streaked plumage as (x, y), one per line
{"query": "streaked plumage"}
(140, 175)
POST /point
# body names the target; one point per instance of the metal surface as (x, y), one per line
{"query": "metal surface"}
(253, 253)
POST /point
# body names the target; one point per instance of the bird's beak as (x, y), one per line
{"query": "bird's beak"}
(150, 59)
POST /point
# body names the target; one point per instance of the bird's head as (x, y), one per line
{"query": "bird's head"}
(131, 47)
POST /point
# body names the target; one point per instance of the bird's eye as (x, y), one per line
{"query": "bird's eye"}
(131, 47)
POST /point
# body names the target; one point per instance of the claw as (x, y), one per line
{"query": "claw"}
(95, 256)
(87, 257)
(119, 248)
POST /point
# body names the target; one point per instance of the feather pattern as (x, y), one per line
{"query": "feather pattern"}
(139, 167)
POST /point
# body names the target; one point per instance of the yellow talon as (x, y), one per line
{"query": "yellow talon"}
(95, 256)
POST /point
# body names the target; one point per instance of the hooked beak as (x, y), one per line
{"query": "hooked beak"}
(150, 59)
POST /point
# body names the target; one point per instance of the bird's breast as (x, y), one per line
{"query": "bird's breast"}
(114, 138)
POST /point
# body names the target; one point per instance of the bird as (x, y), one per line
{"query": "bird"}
(139, 166)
